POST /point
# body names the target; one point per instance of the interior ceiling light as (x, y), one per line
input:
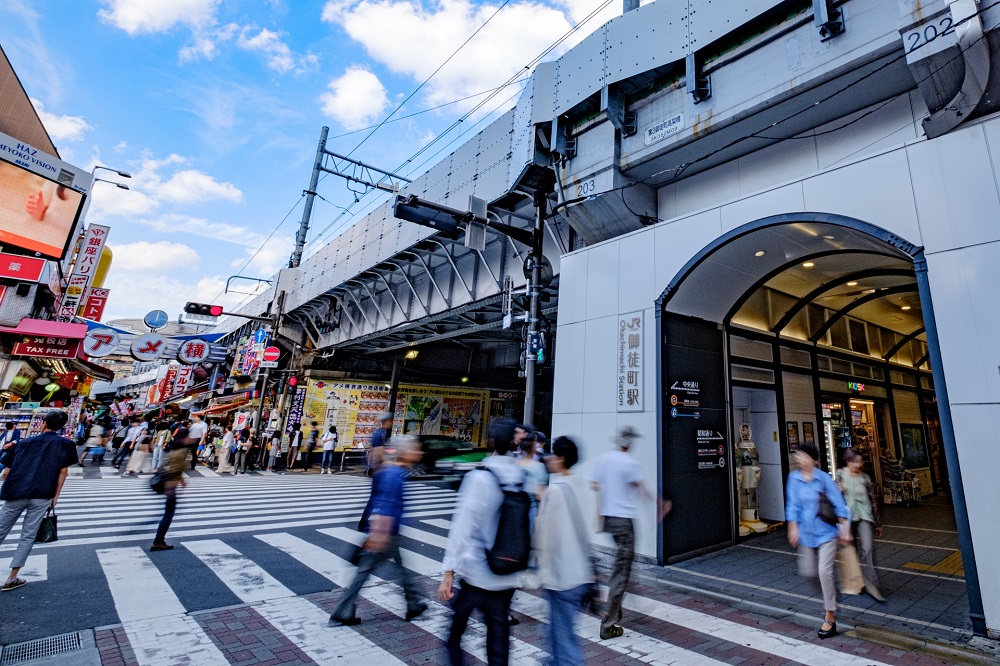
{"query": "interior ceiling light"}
(852, 284)
(828, 237)
(906, 307)
(759, 253)
(808, 264)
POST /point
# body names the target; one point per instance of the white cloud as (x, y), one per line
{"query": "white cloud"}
(414, 40)
(355, 99)
(61, 128)
(145, 256)
(188, 226)
(192, 186)
(268, 43)
(144, 16)
(266, 260)
(164, 292)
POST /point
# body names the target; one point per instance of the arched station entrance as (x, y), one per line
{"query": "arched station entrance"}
(807, 327)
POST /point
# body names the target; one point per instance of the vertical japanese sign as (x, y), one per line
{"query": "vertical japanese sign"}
(630, 389)
(83, 270)
(296, 408)
(93, 306)
(182, 380)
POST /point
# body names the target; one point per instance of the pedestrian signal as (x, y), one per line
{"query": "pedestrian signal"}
(203, 309)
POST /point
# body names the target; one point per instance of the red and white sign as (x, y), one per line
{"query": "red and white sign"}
(100, 342)
(83, 270)
(46, 347)
(192, 351)
(148, 347)
(271, 354)
(16, 267)
(183, 379)
(93, 304)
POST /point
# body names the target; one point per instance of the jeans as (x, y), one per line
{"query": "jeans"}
(495, 606)
(864, 537)
(327, 459)
(121, 454)
(564, 646)
(622, 531)
(34, 510)
(194, 456)
(157, 458)
(819, 562)
(168, 514)
(370, 560)
(241, 460)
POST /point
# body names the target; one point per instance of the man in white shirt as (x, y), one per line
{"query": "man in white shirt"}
(198, 433)
(132, 435)
(617, 478)
(473, 531)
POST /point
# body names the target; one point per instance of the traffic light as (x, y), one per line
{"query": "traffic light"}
(293, 381)
(204, 309)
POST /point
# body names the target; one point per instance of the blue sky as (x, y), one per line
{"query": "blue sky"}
(215, 107)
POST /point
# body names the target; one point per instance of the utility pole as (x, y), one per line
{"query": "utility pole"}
(300, 235)
(275, 325)
(534, 305)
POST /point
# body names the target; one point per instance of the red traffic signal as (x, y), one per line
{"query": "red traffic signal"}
(293, 381)
(204, 309)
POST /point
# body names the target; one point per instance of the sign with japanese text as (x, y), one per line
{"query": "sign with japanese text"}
(17, 267)
(192, 351)
(296, 408)
(93, 304)
(629, 361)
(100, 342)
(182, 381)
(148, 347)
(44, 347)
(91, 246)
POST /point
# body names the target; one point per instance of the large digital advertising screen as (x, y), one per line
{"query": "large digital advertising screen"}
(37, 212)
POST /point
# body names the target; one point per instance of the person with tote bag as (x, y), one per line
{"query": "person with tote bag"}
(866, 524)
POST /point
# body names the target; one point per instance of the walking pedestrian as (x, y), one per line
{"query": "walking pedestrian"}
(330, 440)
(866, 524)
(473, 532)
(817, 518)
(97, 437)
(135, 425)
(294, 444)
(160, 440)
(10, 437)
(382, 544)
(618, 479)
(310, 447)
(141, 449)
(562, 551)
(197, 434)
(275, 449)
(225, 450)
(242, 446)
(174, 463)
(380, 437)
(536, 477)
(36, 468)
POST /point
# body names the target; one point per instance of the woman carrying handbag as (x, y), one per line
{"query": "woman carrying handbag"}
(866, 524)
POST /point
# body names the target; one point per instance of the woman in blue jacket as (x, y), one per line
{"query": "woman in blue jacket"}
(816, 532)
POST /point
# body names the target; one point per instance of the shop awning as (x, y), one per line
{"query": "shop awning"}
(48, 329)
(92, 369)
(219, 410)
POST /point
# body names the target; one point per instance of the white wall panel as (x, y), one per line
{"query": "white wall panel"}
(600, 372)
(857, 135)
(712, 19)
(967, 312)
(602, 280)
(573, 288)
(680, 240)
(779, 163)
(876, 190)
(787, 199)
(568, 382)
(977, 431)
(708, 188)
(581, 71)
(954, 187)
(645, 38)
(636, 284)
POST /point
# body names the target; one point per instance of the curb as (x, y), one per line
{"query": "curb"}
(914, 644)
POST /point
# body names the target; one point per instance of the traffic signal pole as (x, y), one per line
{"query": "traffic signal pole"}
(534, 304)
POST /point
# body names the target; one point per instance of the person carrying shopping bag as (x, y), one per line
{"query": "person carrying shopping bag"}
(817, 519)
(866, 524)
(225, 450)
(330, 440)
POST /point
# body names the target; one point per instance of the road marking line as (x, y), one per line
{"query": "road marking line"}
(439, 522)
(35, 569)
(422, 535)
(957, 579)
(302, 622)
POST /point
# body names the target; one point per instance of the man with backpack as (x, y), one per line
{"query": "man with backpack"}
(488, 545)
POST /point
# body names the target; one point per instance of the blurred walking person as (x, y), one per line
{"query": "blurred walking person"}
(866, 524)
(562, 551)
(9, 438)
(294, 444)
(310, 447)
(36, 468)
(618, 479)
(225, 451)
(160, 441)
(96, 438)
(242, 446)
(330, 440)
(141, 448)
(382, 543)
(275, 453)
(197, 436)
(174, 464)
(817, 519)
(473, 533)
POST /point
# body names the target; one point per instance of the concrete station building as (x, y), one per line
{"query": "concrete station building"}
(776, 213)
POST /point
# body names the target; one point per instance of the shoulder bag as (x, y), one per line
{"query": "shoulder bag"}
(47, 530)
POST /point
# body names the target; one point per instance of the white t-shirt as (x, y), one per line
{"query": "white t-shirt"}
(330, 441)
(617, 472)
(198, 430)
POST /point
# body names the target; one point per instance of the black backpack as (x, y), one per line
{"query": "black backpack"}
(512, 545)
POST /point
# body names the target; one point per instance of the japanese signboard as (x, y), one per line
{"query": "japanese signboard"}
(629, 361)
(192, 351)
(84, 269)
(41, 346)
(94, 302)
(295, 410)
(182, 381)
(40, 198)
(100, 342)
(16, 267)
(148, 347)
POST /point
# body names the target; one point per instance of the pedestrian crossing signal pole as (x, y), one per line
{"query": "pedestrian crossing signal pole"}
(534, 346)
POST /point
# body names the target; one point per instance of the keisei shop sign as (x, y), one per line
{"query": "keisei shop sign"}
(45, 347)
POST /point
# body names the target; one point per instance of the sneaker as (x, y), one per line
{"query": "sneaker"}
(416, 611)
(160, 546)
(346, 621)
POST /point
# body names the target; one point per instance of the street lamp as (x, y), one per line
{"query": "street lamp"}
(123, 174)
(120, 186)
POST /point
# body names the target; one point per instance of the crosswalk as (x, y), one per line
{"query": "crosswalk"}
(280, 548)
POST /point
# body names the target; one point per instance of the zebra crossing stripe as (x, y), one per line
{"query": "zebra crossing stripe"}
(35, 569)
(422, 535)
(302, 622)
(159, 631)
(436, 620)
(439, 522)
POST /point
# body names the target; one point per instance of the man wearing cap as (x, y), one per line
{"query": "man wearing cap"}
(617, 478)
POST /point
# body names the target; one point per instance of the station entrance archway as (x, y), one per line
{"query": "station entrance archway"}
(809, 327)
